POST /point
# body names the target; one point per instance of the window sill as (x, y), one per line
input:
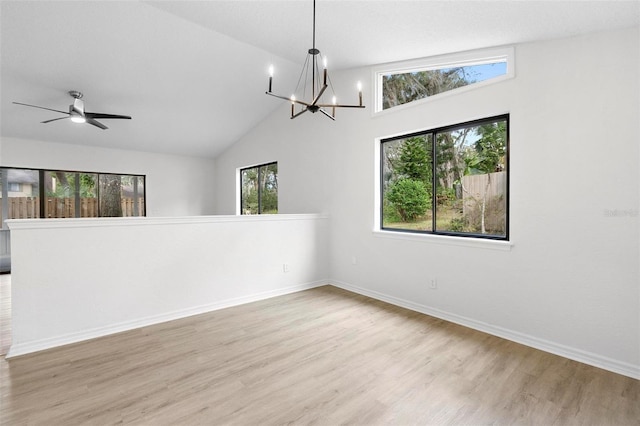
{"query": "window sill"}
(445, 240)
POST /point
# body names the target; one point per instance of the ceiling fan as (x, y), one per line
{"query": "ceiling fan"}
(77, 114)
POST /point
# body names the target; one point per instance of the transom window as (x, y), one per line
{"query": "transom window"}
(259, 189)
(408, 82)
(452, 180)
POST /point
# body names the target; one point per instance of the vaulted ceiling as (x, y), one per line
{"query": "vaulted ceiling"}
(192, 74)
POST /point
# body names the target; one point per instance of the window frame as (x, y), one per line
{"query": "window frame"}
(479, 57)
(240, 187)
(42, 195)
(379, 187)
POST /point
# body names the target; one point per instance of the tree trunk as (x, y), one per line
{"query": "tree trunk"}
(110, 196)
(484, 203)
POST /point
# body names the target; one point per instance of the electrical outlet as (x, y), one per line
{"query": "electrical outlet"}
(433, 284)
(285, 267)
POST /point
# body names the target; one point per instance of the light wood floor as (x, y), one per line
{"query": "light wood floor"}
(5, 313)
(324, 357)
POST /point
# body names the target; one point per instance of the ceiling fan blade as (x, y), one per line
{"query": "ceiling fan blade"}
(36, 106)
(53, 119)
(96, 123)
(102, 115)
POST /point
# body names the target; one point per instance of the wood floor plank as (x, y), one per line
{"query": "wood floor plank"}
(319, 357)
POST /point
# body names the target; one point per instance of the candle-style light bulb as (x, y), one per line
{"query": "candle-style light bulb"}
(270, 77)
(334, 100)
(324, 62)
(293, 105)
(360, 92)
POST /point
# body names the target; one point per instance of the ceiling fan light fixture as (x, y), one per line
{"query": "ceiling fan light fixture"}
(78, 119)
(77, 114)
(318, 84)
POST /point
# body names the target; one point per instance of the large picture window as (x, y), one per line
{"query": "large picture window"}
(451, 181)
(259, 189)
(69, 194)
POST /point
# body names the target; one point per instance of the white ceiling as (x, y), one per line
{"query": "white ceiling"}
(192, 74)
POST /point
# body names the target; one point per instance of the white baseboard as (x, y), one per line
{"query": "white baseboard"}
(579, 355)
(43, 344)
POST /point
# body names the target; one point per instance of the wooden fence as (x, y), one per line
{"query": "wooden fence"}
(476, 185)
(29, 207)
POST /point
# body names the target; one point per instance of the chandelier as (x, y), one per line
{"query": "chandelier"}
(315, 86)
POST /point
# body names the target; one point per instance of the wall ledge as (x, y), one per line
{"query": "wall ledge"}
(90, 222)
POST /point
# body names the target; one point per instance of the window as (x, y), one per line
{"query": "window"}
(450, 181)
(259, 189)
(69, 192)
(412, 81)
(19, 190)
(66, 194)
(121, 195)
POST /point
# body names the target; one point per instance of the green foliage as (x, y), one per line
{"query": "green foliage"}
(403, 88)
(390, 214)
(457, 224)
(269, 202)
(260, 190)
(410, 198)
(414, 161)
(489, 151)
(66, 184)
(446, 196)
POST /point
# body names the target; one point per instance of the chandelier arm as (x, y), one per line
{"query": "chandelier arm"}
(338, 106)
(299, 113)
(327, 114)
(286, 99)
(300, 102)
(315, 101)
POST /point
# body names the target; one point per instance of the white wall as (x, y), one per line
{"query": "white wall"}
(176, 186)
(289, 142)
(75, 279)
(569, 281)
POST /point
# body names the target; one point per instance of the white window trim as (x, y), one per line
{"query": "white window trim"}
(476, 57)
